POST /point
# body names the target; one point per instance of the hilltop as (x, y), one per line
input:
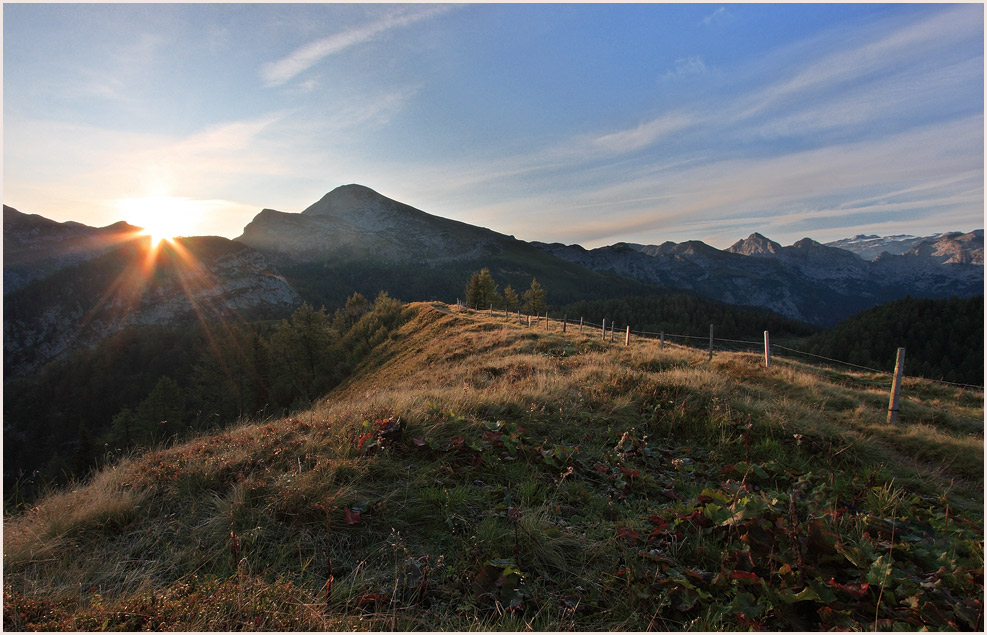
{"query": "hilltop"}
(473, 473)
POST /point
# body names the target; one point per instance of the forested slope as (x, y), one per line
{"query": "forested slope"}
(943, 339)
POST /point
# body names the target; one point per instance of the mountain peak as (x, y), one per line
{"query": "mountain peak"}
(755, 245)
(347, 199)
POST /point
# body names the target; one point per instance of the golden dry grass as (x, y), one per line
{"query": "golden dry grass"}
(277, 488)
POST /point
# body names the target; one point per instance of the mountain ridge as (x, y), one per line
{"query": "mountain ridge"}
(355, 239)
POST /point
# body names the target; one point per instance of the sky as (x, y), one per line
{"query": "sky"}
(573, 123)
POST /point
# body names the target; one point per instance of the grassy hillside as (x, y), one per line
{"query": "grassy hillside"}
(473, 474)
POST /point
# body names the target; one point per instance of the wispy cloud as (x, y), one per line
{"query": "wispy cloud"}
(865, 54)
(715, 16)
(301, 59)
(686, 66)
(644, 135)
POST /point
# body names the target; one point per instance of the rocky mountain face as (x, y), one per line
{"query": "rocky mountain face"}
(34, 246)
(962, 248)
(807, 281)
(84, 301)
(355, 222)
(357, 240)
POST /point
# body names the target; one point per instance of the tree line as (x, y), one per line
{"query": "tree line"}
(482, 293)
(685, 314)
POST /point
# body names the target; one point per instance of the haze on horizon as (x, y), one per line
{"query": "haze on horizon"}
(574, 123)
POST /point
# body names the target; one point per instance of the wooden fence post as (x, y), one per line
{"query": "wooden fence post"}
(661, 345)
(529, 321)
(627, 336)
(611, 330)
(564, 319)
(767, 351)
(710, 342)
(604, 328)
(899, 370)
(580, 325)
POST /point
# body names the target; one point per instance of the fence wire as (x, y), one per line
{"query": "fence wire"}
(736, 345)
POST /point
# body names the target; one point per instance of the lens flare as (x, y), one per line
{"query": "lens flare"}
(161, 217)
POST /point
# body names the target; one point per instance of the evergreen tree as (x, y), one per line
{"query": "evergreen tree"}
(481, 291)
(122, 432)
(232, 377)
(511, 300)
(534, 299)
(344, 319)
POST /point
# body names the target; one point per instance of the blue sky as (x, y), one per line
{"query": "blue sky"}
(576, 123)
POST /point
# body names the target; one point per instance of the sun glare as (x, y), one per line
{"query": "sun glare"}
(161, 217)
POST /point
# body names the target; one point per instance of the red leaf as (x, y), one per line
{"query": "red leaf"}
(630, 473)
(856, 591)
(601, 468)
(363, 439)
(458, 442)
(747, 576)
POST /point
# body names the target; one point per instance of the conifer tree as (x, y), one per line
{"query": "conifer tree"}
(534, 299)
(511, 300)
(481, 291)
(301, 347)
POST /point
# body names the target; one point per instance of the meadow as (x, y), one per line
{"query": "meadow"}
(477, 474)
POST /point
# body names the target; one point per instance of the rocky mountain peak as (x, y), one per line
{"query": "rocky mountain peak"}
(355, 222)
(952, 248)
(755, 245)
(346, 200)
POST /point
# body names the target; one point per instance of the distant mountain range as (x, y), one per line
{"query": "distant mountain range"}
(68, 285)
(807, 281)
(952, 247)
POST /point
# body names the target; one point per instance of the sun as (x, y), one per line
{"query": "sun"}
(161, 217)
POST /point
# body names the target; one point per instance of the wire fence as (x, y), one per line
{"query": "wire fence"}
(713, 344)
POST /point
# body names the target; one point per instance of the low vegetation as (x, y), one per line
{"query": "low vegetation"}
(475, 474)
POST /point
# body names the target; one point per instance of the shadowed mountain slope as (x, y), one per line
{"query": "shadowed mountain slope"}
(189, 279)
(34, 246)
(355, 239)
